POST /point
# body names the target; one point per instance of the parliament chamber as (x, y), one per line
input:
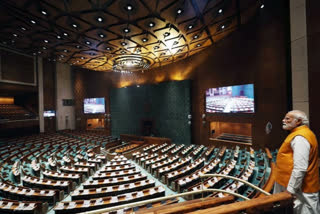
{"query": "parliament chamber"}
(155, 107)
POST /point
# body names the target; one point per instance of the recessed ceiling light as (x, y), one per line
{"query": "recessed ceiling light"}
(88, 43)
(166, 34)
(126, 30)
(82, 57)
(198, 45)
(78, 46)
(129, 7)
(54, 60)
(156, 47)
(15, 35)
(138, 86)
(165, 59)
(222, 27)
(34, 54)
(101, 35)
(145, 39)
(22, 28)
(58, 37)
(100, 19)
(123, 43)
(62, 55)
(123, 52)
(46, 41)
(78, 61)
(179, 11)
(44, 48)
(65, 50)
(43, 12)
(195, 36)
(65, 34)
(262, 6)
(220, 11)
(12, 41)
(190, 26)
(32, 21)
(39, 52)
(74, 25)
(151, 24)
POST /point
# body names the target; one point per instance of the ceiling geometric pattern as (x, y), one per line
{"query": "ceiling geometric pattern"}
(101, 34)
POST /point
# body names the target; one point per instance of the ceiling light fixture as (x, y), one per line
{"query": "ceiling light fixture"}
(145, 39)
(126, 30)
(190, 26)
(78, 46)
(195, 36)
(130, 63)
(44, 12)
(220, 11)
(222, 27)
(123, 43)
(46, 41)
(88, 43)
(129, 7)
(22, 28)
(151, 24)
(32, 21)
(58, 37)
(74, 25)
(15, 35)
(166, 34)
(65, 34)
(179, 11)
(108, 48)
(44, 48)
(65, 50)
(198, 45)
(262, 6)
(101, 35)
(100, 19)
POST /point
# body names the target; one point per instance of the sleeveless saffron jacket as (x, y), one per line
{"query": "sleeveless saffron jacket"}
(284, 164)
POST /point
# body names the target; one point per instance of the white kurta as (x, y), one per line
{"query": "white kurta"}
(305, 203)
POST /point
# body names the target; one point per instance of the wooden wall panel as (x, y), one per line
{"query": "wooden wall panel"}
(16, 67)
(89, 84)
(49, 94)
(313, 36)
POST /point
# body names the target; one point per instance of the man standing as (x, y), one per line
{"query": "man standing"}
(297, 170)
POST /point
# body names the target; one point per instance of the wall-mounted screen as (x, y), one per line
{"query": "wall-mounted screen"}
(94, 105)
(49, 113)
(230, 99)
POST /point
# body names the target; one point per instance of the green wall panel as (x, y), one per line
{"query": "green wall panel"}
(167, 105)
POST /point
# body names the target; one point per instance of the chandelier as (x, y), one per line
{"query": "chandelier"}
(130, 63)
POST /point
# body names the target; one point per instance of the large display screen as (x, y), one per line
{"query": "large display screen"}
(230, 99)
(94, 105)
(49, 113)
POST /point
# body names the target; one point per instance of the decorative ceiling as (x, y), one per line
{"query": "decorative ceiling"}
(119, 35)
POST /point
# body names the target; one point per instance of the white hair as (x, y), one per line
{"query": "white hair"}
(300, 115)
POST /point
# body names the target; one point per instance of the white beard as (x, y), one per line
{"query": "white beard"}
(288, 126)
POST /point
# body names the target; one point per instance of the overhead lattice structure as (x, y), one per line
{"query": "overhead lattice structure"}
(99, 34)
